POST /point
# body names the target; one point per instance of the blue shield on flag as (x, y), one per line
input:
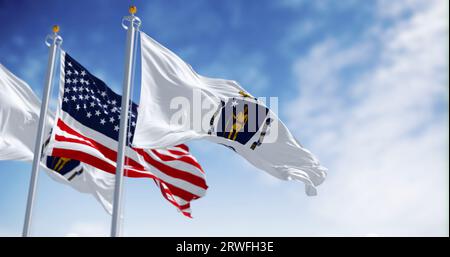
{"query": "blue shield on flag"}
(67, 167)
(239, 119)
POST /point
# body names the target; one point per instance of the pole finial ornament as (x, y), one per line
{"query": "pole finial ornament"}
(55, 29)
(132, 9)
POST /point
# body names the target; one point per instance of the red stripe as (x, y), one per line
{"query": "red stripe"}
(186, 158)
(167, 191)
(183, 194)
(86, 158)
(181, 208)
(105, 166)
(105, 151)
(184, 147)
(176, 152)
(112, 155)
(175, 173)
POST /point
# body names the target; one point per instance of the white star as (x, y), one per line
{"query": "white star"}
(83, 73)
(86, 97)
(92, 104)
(103, 94)
(234, 103)
(102, 121)
(116, 128)
(69, 72)
(112, 120)
(81, 97)
(81, 88)
(84, 106)
(97, 113)
(82, 80)
(78, 107)
(67, 90)
(74, 98)
(88, 114)
(76, 72)
(113, 102)
(86, 82)
(75, 89)
(66, 99)
(68, 81)
(133, 124)
(105, 106)
(70, 64)
(113, 110)
(74, 81)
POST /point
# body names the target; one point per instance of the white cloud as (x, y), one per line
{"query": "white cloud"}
(380, 132)
(297, 32)
(247, 68)
(317, 5)
(87, 229)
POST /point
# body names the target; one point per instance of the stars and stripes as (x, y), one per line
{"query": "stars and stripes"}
(87, 129)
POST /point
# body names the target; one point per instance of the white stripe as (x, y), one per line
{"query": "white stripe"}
(83, 148)
(176, 148)
(88, 132)
(187, 154)
(177, 164)
(176, 198)
(183, 184)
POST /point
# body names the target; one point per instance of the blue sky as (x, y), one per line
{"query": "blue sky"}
(362, 84)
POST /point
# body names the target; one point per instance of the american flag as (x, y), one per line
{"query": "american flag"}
(87, 129)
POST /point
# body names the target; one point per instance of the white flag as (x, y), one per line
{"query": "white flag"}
(19, 118)
(178, 105)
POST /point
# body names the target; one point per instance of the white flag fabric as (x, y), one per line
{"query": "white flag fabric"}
(178, 105)
(82, 177)
(19, 118)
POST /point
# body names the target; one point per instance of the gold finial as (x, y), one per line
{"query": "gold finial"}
(55, 29)
(244, 94)
(132, 9)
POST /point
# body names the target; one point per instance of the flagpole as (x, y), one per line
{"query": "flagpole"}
(53, 41)
(132, 28)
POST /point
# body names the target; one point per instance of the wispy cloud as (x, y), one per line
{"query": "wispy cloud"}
(381, 130)
(87, 229)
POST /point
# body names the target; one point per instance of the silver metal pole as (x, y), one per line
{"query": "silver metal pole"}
(55, 42)
(133, 27)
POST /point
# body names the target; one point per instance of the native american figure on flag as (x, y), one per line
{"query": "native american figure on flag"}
(239, 119)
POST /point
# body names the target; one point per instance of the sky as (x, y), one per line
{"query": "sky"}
(362, 84)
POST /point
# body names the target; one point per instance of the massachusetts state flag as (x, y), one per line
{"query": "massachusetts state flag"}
(86, 129)
(222, 112)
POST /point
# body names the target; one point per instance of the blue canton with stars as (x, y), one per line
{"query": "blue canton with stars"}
(92, 103)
